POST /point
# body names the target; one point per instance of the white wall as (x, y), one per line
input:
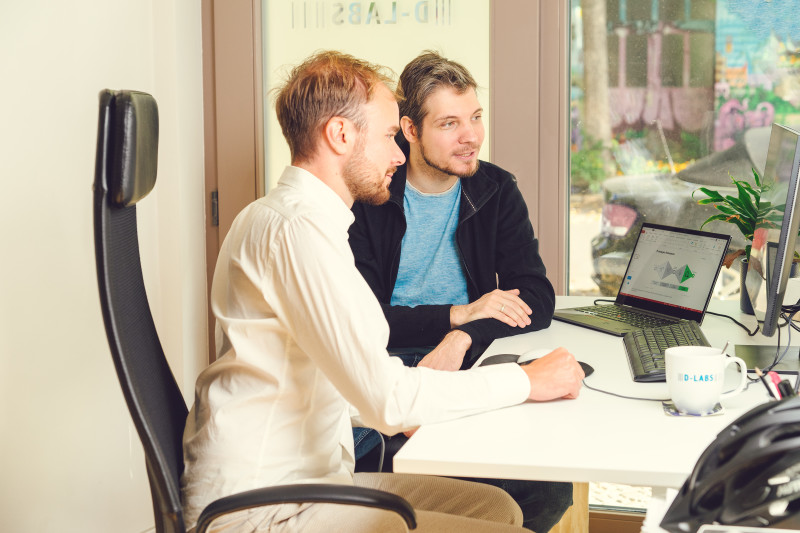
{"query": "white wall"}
(69, 456)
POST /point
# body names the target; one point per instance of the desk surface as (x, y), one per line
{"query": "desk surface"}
(597, 437)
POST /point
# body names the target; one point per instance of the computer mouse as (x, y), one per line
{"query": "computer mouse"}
(500, 358)
(588, 370)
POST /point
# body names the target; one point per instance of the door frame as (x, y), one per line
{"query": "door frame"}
(233, 121)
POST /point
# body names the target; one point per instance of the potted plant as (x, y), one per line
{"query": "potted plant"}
(748, 211)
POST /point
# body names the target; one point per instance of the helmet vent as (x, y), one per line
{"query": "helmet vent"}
(712, 499)
(784, 432)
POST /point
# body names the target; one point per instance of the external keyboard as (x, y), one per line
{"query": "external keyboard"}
(632, 317)
(645, 347)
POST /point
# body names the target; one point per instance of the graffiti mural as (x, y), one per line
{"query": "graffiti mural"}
(703, 70)
(658, 78)
(757, 67)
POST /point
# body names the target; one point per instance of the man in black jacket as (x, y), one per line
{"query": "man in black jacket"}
(451, 256)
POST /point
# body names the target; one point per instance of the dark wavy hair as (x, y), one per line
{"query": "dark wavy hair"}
(421, 77)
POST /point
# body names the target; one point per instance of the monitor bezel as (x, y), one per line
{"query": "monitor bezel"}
(781, 270)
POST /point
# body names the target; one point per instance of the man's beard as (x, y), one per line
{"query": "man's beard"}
(363, 179)
(447, 169)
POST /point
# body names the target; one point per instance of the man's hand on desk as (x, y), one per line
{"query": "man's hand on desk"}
(449, 354)
(505, 306)
(556, 375)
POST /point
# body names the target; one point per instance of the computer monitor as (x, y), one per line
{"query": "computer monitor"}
(774, 241)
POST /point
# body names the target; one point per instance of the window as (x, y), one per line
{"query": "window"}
(636, 60)
(682, 80)
(672, 60)
(386, 32)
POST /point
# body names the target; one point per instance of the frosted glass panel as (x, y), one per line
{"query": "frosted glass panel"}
(390, 33)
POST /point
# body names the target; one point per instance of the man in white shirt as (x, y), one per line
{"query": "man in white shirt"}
(301, 338)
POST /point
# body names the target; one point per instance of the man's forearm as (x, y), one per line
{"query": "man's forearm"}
(449, 354)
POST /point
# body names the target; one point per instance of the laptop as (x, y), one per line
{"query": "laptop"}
(670, 277)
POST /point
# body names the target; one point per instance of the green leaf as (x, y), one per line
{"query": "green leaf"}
(746, 230)
(753, 192)
(756, 179)
(725, 209)
(746, 200)
(737, 205)
(705, 201)
(712, 218)
(713, 196)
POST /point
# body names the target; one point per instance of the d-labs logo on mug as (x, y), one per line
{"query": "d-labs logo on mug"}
(705, 378)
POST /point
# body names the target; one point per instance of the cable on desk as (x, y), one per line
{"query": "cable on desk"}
(778, 358)
(750, 333)
(792, 310)
(750, 381)
(622, 395)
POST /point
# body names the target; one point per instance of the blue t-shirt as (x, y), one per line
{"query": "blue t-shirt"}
(430, 270)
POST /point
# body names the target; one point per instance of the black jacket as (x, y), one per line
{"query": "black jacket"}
(497, 248)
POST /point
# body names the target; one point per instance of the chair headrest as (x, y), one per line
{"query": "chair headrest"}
(133, 145)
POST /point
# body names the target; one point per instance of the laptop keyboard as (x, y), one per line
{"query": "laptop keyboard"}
(645, 347)
(621, 314)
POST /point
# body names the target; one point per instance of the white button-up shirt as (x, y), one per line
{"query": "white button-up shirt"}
(301, 339)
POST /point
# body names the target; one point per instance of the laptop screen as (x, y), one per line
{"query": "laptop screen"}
(673, 270)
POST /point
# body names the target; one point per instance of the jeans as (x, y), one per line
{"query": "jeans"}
(365, 439)
(543, 503)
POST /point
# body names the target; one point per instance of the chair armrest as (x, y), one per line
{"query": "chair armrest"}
(307, 493)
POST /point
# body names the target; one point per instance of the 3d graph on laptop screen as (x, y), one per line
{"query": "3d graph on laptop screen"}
(673, 268)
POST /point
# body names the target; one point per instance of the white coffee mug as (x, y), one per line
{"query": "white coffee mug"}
(695, 377)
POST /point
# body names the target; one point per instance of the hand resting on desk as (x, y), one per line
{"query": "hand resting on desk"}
(555, 375)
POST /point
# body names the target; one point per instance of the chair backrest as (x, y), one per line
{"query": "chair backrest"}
(125, 172)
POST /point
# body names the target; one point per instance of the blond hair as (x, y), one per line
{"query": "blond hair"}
(328, 84)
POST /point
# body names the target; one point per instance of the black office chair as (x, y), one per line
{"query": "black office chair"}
(125, 172)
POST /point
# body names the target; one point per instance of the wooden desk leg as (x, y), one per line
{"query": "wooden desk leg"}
(576, 519)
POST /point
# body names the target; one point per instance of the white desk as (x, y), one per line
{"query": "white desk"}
(596, 437)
